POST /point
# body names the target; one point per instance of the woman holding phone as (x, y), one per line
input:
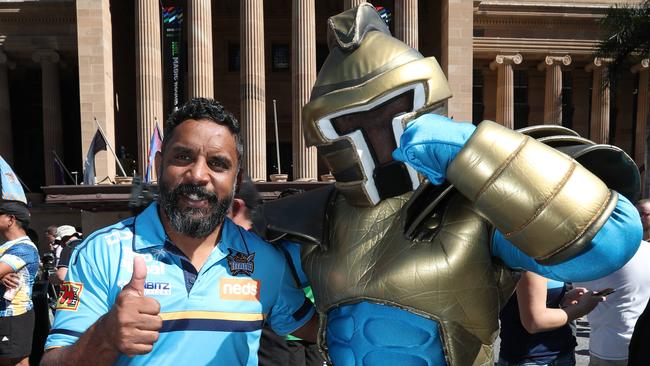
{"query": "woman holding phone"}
(535, 326)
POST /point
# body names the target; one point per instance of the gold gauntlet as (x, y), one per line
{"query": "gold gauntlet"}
(543, 201)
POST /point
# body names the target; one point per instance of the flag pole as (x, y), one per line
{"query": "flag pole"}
(56, 156)
(277, 140)
(109, 146)
(23, 183)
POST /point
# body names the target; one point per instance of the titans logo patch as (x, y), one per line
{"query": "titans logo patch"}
(241, 263)
(69, 295)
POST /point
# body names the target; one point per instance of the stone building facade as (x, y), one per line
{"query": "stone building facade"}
(68, 66)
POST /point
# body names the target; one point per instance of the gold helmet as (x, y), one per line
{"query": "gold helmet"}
(369, 87)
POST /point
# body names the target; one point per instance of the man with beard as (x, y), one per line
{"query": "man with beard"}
(179, 283)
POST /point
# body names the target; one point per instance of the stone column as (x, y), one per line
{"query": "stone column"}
(457, 27)
(52, 130)
(406, 22)
(553, 89)
(641, 133)
(505, 88)
(347, 4)
(199, 45)
(303, 76)
(96, 97)
(148, 66)
(6, 141)
(253, 92)
(599, 126)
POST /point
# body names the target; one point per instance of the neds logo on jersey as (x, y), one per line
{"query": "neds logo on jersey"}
(69, 295)
(239, 289)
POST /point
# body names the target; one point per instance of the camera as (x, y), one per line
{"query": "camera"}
(49, 265)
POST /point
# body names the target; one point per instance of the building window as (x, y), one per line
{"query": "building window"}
(477, 96)
(233, 57)
(567, 99)
(281, 57)
(521, 98)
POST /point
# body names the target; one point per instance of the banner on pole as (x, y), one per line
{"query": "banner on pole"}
(173, 56)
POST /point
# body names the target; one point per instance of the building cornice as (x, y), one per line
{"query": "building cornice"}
(487, 47)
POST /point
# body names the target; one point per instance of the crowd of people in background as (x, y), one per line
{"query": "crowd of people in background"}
(537, 323)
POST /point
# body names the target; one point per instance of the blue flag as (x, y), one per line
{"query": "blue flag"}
(98, 144)
(10, 185)
(154, 146)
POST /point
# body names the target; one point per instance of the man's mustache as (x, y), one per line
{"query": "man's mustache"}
(187, 189)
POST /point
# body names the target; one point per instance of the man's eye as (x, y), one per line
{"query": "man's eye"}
(219, 165)
(183, 157)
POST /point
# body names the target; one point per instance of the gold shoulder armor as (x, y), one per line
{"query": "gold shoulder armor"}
(543, 200)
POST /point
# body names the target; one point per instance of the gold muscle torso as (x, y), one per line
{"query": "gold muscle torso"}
(452, 278)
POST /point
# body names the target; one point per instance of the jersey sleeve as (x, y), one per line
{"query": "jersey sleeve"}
(85, 295)
(292, 309)
(19, 255)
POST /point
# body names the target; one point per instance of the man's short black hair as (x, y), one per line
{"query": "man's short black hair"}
(204, 108)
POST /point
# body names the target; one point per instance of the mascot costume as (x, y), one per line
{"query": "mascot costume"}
(413, 271)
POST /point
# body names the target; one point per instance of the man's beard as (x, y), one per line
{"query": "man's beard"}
(193, 222)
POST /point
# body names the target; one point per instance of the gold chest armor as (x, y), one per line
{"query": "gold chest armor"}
(450, 277)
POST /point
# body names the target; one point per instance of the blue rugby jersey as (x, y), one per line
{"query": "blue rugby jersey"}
(21, 255)
(214, 316)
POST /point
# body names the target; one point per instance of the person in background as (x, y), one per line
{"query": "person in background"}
(274, 349)
(52, 244)
(612, 322)
(68, 236)
(638, 350)
(535, 326)
(643, 206)
(18, 255)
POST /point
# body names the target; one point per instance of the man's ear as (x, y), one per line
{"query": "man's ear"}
(239, 214)
(238, 207)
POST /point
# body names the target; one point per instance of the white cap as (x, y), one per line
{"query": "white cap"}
(65, 230)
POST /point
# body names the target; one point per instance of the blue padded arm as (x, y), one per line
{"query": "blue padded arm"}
(611, 248)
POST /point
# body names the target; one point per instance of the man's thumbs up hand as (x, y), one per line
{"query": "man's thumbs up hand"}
(139, 276)
(133, 322)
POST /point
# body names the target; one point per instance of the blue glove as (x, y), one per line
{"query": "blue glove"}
(430, 143)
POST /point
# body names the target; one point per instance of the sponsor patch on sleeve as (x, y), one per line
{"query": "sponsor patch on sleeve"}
(69, 295)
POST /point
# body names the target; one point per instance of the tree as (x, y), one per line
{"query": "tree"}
(627, 41)
(628, 34)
